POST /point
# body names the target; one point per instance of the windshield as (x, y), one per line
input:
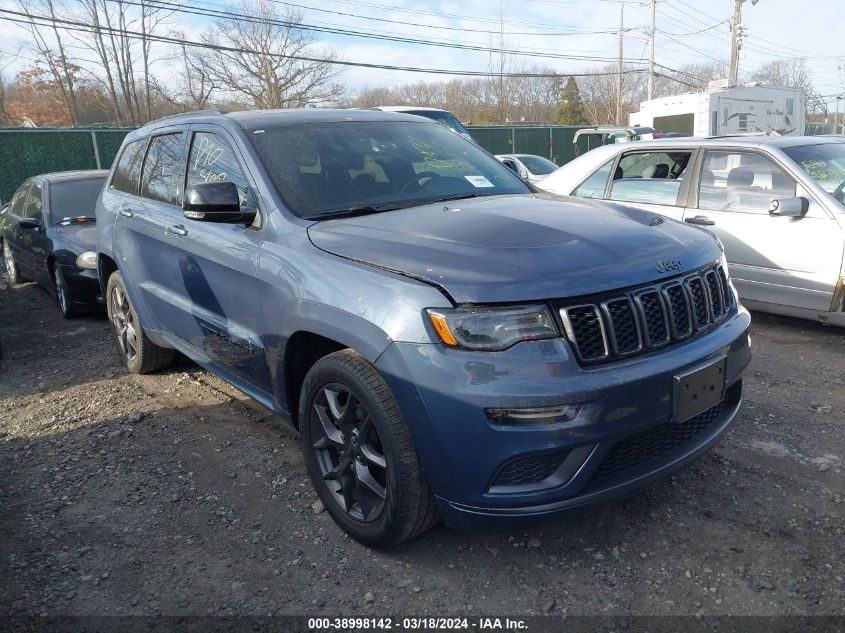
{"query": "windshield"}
(823, 163)
(74, 200)
(537, 165)
(441, 116)
(336, 168)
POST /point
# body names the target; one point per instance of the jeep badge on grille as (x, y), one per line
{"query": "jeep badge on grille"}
(668, 265)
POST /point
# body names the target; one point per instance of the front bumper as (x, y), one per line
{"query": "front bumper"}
(607, 451)
(83, 286)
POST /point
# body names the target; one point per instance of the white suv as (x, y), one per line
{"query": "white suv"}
(777, 205)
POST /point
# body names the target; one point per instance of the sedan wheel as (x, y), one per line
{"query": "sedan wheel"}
(65, 304)
(12, 270)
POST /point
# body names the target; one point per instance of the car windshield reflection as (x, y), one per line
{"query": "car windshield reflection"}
(357, 167)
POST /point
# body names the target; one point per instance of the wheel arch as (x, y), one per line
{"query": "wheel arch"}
(317, 331)
(105, 267)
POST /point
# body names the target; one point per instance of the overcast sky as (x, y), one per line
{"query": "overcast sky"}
(688, 31)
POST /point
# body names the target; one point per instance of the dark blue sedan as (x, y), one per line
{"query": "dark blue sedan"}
(48, 236)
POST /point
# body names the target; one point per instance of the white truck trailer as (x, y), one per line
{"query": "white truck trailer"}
(726, 109)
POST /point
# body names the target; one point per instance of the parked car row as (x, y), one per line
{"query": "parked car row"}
(447, 341)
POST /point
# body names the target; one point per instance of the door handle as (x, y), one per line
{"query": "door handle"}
(126, 213)
(701, 220)
(177, 230)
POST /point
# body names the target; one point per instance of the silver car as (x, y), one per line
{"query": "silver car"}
(528, 166)
(777, 205)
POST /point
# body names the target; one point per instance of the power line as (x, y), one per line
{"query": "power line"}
(72, 25)
(164, 4)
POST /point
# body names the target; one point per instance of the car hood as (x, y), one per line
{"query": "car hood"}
(80, 236)
(519, 248)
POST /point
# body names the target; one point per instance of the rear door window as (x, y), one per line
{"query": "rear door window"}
(650, 177)
(164, 169)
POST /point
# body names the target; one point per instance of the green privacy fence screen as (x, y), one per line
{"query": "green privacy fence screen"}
(551, 141)
(26, 152)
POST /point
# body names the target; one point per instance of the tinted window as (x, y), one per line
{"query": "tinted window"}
(446, 118)
(350, 165)
(741, 182)
(19, 200)
(594, 186)
(128, 168)
(212, 160)
(34, 201)
(164, 169)
(649, 177)
(74, 199)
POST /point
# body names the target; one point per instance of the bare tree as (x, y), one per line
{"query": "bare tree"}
(52, 53)
(793, 73)
(270, 60)
(197, 84)
(119, 28)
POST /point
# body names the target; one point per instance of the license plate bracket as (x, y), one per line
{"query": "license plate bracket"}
(698, 390)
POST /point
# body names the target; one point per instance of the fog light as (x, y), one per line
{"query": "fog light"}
(533, 416)
(88, 260)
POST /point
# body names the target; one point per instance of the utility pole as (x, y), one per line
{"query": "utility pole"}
(619, 85)
(651, 51)
(735, 40)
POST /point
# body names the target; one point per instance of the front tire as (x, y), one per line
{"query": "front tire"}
(359, 453)
(9, 264)
(66, 306)
(138, 353)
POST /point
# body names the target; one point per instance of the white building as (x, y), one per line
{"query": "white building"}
(726, 109)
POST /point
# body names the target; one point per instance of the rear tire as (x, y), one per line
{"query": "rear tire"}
(360, 455)
(138, 353)
(13, 273)
(66, 306)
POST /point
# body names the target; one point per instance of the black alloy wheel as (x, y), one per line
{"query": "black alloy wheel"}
(349, 452)
(359, 452)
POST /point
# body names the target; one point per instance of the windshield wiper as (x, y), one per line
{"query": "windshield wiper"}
(78, 218)
(352, 212)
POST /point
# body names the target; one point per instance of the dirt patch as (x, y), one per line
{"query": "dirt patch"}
(173, 494)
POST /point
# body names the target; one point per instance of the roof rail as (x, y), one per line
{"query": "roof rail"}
(191, 113)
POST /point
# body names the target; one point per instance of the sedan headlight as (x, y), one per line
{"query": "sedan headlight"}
(88, 259)
(492, 329)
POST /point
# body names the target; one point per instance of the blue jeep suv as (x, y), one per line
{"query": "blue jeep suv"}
(447, 341)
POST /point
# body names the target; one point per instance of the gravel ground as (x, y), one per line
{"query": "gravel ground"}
(174, 494)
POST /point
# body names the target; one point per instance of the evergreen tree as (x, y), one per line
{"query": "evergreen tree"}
(571, 109)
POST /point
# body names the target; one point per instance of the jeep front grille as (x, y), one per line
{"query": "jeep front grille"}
(646, 318)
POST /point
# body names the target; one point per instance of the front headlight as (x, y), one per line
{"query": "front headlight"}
(88, 259)
(492, 329)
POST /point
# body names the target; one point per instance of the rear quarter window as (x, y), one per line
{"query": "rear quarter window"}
(128, 168)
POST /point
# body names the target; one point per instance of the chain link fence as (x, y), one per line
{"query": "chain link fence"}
(26, 152)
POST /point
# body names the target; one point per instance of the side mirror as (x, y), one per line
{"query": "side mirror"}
(790, 207)
(215, 202)
(29, 223)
